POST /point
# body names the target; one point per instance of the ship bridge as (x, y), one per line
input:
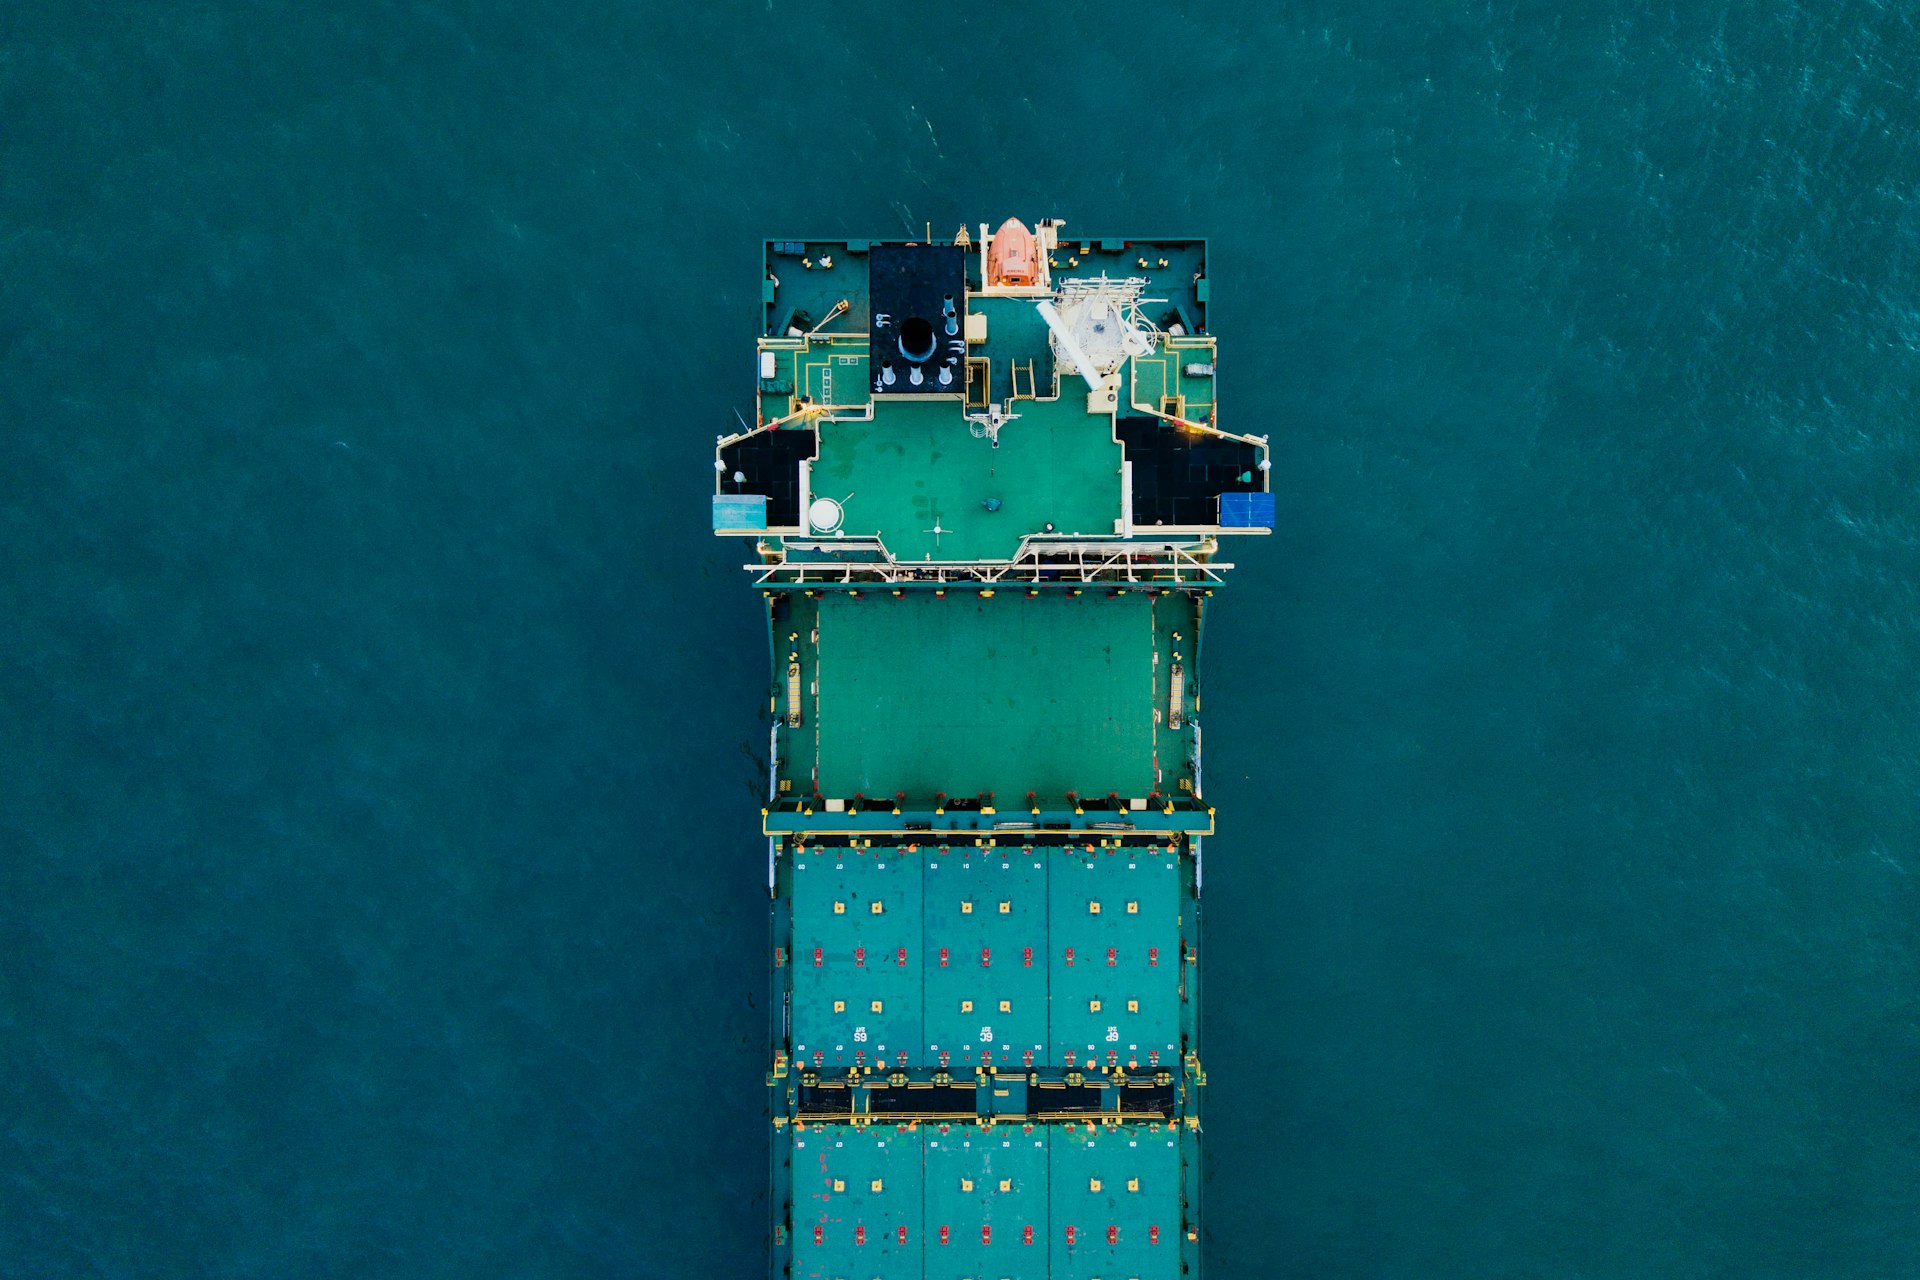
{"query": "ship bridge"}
(984, 494)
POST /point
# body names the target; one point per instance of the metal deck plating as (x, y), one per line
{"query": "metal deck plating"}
(985, 488)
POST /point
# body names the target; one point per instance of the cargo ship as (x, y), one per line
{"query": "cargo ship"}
(983, 496)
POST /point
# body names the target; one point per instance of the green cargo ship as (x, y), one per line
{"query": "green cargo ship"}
(985, 490)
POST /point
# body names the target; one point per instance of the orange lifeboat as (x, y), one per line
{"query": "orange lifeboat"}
(1012, 257)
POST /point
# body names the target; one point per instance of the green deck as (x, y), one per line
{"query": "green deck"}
(1016, 338)
(967, 693)
(963, 1203)
(991, 906)
(1155, 379)
(989, 1189)
(1118, 1192)
(860, 1000)
(832, 373)
(917, 464)
(1114, 929)
(810, 292)
(1009, 957)
(856, 1194)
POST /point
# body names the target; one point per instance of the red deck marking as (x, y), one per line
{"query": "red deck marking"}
(1026, 1234)
(986, 1233)
(1026, 956)
(1153, 1235)
(1069, 957)
(1113, 956)
(817, 953)
(1070, 1235)
(860, 955)
(859, 1235)
(819, 1235)
(1153, 955)
(903, 1235)
(943, 957)
(1113, 1235)
(943, 1233)
(903, 957)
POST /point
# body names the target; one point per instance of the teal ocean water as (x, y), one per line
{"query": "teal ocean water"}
(379, 746)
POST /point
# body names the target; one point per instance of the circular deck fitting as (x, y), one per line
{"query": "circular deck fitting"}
(824, 514)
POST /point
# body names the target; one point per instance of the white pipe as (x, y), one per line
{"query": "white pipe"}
(1075, 356)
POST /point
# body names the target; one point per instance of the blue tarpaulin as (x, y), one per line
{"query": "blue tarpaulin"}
(1246, 511)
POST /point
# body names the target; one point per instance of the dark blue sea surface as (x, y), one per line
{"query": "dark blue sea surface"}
(380, 729)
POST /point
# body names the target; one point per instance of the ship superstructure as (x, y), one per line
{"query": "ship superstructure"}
(985, 488)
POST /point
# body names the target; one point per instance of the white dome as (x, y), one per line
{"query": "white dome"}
(824, 515)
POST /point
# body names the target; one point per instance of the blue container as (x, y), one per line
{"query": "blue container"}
(1246, 511)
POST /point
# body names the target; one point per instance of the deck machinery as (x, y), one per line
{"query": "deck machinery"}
(984, 506)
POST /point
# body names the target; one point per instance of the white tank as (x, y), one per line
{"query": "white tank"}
(824, 515)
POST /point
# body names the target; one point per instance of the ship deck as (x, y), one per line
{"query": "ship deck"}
(919, 695)
(917, 465)
(1072, 1203)
(1014, 957)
